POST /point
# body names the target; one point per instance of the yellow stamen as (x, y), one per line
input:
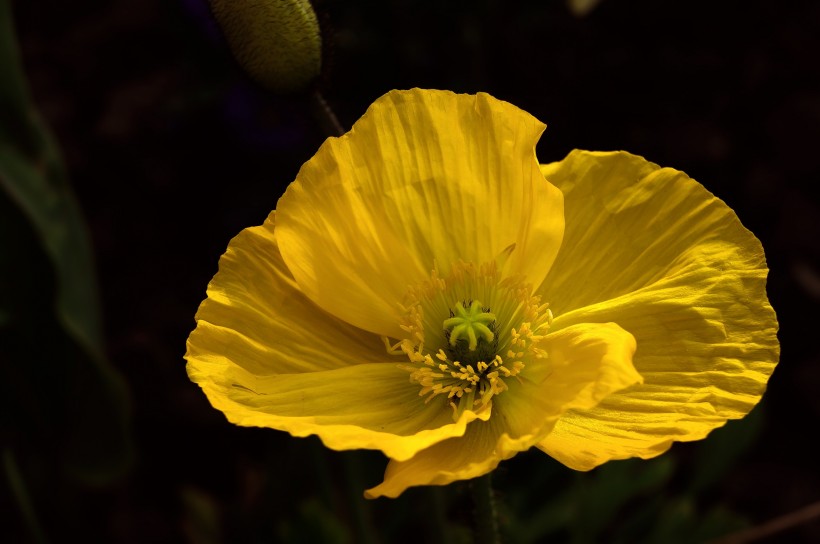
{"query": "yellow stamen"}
(464, 361)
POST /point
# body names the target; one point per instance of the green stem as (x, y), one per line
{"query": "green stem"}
(486, 516)
(330, 123)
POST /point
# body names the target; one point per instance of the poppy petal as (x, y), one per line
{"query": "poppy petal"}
(656, 253)
(585, 364)
(424, 179)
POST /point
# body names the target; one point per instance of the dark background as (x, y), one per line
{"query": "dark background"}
(172, 151)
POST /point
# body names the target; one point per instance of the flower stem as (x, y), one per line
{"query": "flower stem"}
(330, 123)
(486, 516)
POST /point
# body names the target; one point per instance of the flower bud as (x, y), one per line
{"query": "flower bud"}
(277, 42)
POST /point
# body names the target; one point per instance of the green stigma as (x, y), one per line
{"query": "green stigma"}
(471, 323)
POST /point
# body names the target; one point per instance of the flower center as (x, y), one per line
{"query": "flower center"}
(471, 325)
(470, 332)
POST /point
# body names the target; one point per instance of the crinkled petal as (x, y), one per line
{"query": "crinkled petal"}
(483, 446)
(266, 356)
(654, 252)
(424, 179)
(585, 364)
(255, 317)
(369, 406)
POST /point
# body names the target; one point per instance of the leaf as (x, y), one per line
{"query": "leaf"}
(201, 516)
(679, 521)
(21, 496)
(315, 523)
(31, 173)
(63, 336)
(603, 494)
(720, 451)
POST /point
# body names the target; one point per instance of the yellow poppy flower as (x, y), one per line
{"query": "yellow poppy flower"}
(423, 290)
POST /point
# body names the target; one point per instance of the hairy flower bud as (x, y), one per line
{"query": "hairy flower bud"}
(277, 42)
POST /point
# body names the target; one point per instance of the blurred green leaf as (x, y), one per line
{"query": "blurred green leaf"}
(582, 507)
(679, 521)
(602, 495)
(18, 488)
(58, 383)
(32, 175)
(315, 523)
(723, 448)
(201, 518)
